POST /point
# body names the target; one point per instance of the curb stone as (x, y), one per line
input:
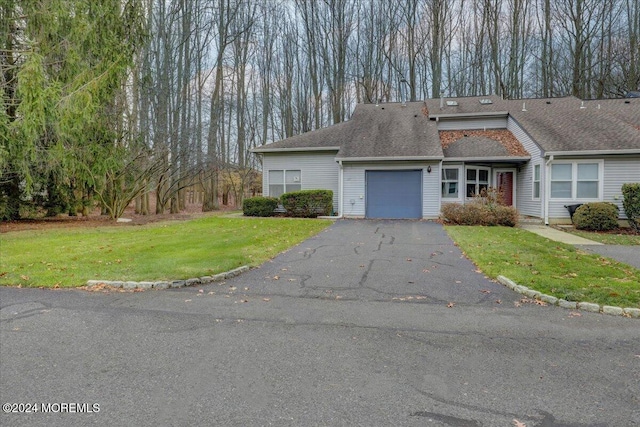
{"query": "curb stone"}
(586, 306)
(129, 285)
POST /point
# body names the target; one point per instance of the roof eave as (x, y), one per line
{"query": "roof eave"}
(484, 114)
(294, 149)
(389, 158)
(488, 159)
(592, 152)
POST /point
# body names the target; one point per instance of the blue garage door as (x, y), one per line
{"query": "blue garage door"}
(394, 194)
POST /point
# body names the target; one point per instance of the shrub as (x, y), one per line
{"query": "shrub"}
(599, 216)
(631, 204)
(308, 203)
(479, 213)
(259, 206)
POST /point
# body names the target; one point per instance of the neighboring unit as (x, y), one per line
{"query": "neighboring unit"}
(407, 160)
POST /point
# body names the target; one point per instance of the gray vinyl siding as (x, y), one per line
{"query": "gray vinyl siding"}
(318, 170)
(354, 186)
(471, 124)
(616, 173)
(525, 202)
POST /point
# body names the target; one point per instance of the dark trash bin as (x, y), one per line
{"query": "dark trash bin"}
(572, 209)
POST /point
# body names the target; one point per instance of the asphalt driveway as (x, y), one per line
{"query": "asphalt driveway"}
(370, 323)
(377, 260)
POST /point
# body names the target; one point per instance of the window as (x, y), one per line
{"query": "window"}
(536, 182)
(450, 177)
(284, 181)
(587, 185)
(477, 180)
(575, 180)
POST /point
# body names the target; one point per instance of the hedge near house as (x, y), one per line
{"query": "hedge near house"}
(598, 216)
(308, 203)
(631, 204)
(259, 206)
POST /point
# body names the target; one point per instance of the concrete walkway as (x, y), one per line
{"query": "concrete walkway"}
(557, 235)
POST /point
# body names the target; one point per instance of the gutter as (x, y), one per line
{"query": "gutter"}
(592, 152)
(297, 149)
(388, 158)
(487, 114)
(488, 159)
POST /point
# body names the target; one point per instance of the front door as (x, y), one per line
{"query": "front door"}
(505, 181)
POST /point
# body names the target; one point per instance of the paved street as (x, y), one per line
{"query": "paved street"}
(370, 323)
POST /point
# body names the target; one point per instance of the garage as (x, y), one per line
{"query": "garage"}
(393, 194)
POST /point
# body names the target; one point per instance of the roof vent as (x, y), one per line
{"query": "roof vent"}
(452, 103)
(548, 102)
(524, 107)
(486, 101)
(582, 107)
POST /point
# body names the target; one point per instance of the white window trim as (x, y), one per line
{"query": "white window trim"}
(477, 168)
(574, 180)
(533, 181)
(284, 179)
(461, 183)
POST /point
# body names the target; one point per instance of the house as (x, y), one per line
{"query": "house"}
(405, 160)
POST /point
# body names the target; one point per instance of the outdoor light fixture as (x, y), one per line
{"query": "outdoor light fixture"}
(429, 169)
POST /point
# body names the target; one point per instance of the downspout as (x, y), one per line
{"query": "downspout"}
(340, 190)
(340, 198)
(547, 188)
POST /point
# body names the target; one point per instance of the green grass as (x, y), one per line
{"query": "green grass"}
(550, 267)
(608, 238)
(160, 251)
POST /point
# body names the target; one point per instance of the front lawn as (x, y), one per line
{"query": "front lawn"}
(550, 267)
(607, 238)
(160, 251)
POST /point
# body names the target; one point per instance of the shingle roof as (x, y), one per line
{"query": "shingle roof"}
(481, 143)
(563, 124)
(394, 131)
(391, 131)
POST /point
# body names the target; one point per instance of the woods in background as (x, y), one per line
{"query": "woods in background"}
(112, 101)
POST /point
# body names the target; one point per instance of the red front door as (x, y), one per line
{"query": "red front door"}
(505, 186)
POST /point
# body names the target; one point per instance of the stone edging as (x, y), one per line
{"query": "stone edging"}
(164, 284)
(586, 306)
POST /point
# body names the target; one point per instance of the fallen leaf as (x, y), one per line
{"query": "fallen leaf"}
(426, 271)
(517, 423)
(23, 277)
(574, 314)
(498, 301)
(266, 299)
(232, 288)
(409, 259)
(187, 300)
(211, 293)
(450, 305)
(201, 291)
(485, 291)
(276, 277)
(246, 289)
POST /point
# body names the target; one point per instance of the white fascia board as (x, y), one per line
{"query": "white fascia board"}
(389, 159)
(286, 150)
(469, 115)
(592, 152)
(486, 159)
